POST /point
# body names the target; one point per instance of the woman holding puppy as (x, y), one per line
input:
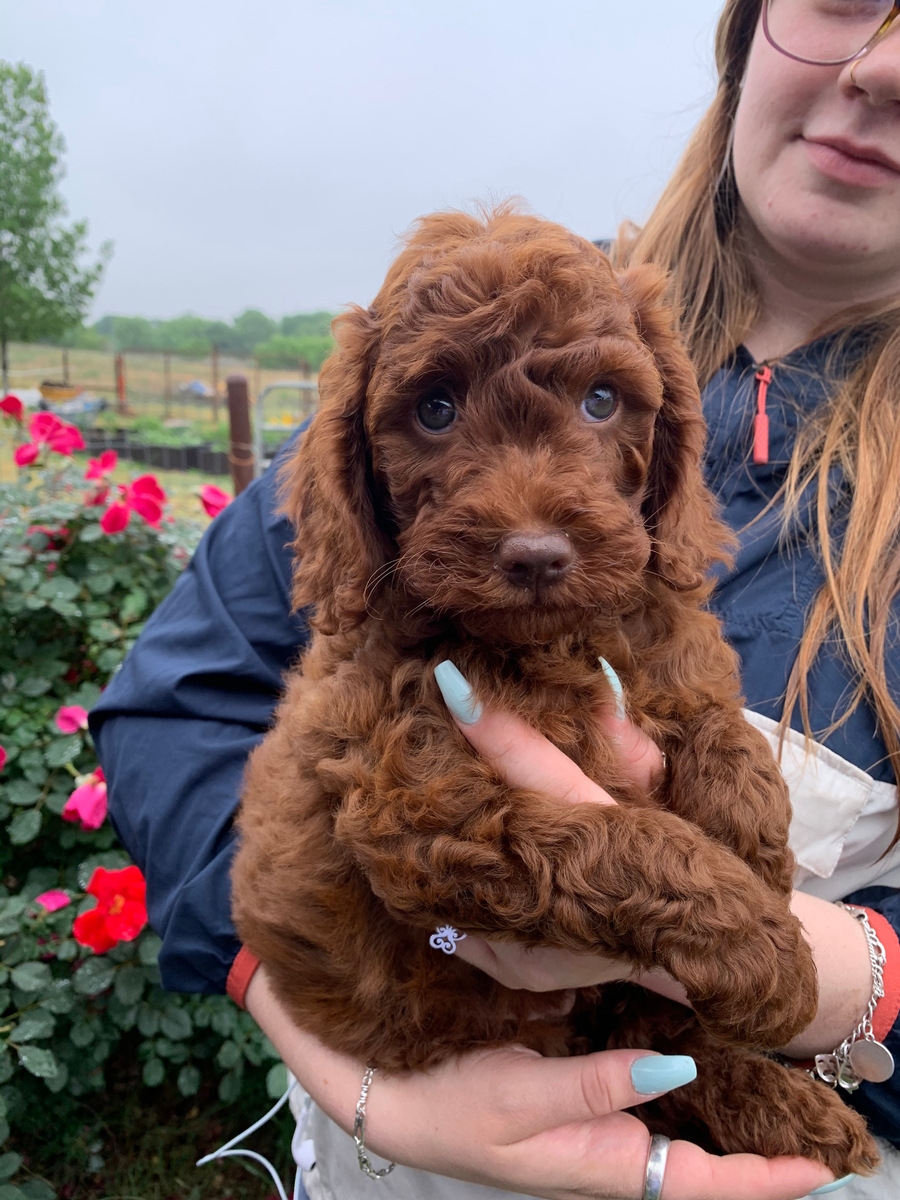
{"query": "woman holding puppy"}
(782, 231)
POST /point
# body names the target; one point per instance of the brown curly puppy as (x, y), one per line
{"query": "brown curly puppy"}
(505, 472)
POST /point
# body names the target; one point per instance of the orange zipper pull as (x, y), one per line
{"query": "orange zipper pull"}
(761, 420)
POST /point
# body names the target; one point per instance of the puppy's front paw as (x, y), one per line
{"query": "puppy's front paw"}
(759, 989)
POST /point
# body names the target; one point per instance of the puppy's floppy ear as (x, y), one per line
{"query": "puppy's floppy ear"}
(327, 487)
(678, 509)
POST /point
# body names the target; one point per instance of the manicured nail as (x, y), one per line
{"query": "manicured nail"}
(457, 693)
(616, 684)
(662, 1072)
(833, 1187)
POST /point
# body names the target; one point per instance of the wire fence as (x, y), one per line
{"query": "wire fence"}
(155, 384)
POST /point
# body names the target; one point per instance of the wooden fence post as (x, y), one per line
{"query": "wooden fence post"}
(240, 456)
(215, 383)
(167, 384)
(121, 394)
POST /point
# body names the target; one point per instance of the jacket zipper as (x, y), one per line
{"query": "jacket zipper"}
(761, 419)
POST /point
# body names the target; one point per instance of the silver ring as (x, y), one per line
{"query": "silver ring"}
(656, 1166)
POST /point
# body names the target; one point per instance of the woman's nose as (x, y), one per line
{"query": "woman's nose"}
(877, 73)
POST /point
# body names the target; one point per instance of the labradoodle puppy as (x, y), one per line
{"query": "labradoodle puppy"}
(505, 472)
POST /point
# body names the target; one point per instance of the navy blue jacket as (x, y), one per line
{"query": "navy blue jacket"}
(197, 692)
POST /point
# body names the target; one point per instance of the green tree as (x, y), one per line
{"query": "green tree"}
(45, 284)
(251, 328)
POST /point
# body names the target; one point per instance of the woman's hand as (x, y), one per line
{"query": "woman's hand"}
(509, 1119)
(526, 759)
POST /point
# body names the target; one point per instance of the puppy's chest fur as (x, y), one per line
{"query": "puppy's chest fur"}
(375, 702)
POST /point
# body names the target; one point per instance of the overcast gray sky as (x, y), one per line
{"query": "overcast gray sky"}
(268, 154)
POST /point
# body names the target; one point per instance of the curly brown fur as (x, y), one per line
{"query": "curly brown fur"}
(367, 819)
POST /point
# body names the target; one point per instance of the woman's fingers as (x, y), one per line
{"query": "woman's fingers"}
(526, 759)
(640, 758)
(523, 756)
(542, 969)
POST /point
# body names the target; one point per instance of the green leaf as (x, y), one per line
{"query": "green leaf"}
(59, 997)
(24, 827)
(189, 1081)
(133, 606)
(34, 686)
(62, 750)
(4, 1130)
(154, 1072)
(230, 1087)
(65, 608)
(94, 976)
(10, 914)
(176, 1023)
(100, 584)
(9, 1164)
(81, 1034)
(129, 984)
(7, 1066)
(67, 950)
(224, 1021)
(33, 1027)
(148, 1021)
(37, 1061)
(229, 1055)
(109, 659)
(91, 533)
(104, 631)
(21, 793)
(56, 802)
(276, 1081)
(31, 976)
(149, 948)
(59, 587)
(9, 1191)
(38, 1189)
(57, 1082)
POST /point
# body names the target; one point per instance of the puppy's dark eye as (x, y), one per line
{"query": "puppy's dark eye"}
(600, 403)
(436, 412)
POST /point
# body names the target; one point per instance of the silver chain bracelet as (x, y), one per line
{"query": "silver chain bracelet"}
(859, 1056)
(359, 1132)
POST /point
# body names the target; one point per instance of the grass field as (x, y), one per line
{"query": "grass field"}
(150, 389)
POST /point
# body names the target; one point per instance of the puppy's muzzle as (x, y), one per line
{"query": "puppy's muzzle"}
(534, 561)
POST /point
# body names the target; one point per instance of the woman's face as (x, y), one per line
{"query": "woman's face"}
(817, 161)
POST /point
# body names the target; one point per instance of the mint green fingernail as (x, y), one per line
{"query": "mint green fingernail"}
(833, 1187)
(662, 1072)
(616, 684)
(457, 693)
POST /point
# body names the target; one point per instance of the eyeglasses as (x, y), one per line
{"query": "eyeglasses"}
(827, 32)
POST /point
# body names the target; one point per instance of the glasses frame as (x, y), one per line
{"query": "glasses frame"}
(832, 62)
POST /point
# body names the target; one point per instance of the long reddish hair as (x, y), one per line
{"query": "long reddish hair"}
(697, 232)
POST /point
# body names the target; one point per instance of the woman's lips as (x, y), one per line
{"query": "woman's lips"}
(843, 165)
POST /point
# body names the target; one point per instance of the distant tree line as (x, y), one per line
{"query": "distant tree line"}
(304, 339)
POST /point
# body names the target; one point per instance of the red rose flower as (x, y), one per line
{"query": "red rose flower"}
(13, 407)
(213, 499)
(121, 911)
(100, 468)
(48, 431)
(143, 496)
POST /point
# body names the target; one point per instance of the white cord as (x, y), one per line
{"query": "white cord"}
(226, 1151)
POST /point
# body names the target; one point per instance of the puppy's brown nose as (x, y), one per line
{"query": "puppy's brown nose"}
(534, 560)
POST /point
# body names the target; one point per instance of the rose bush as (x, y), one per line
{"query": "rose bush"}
(77, 961)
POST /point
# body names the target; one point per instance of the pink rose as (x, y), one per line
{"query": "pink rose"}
(53, 900)
(213, 499)
(70, 719)
(87, 803)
